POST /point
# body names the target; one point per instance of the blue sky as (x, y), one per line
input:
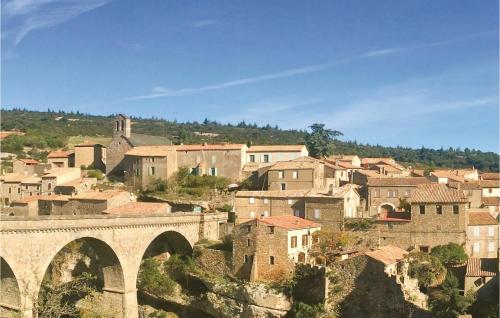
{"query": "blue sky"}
(411, 73)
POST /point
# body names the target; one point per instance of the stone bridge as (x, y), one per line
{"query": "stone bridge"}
(28, 246)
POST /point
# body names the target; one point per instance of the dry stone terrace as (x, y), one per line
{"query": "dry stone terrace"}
(29, 244)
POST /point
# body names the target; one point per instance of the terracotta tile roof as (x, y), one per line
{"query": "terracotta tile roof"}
(419, 172)
(481, 218)
(59, 154)
(490, 183)
(289, 222)
(29, 161)
(276, 148)
(490, 176)
(208, 147)
(77, 182)
(387, 167)
(32, 180)
(388, 254)
(289, 165)
(482, 267)
(370, 173)
(473, 185)
(493, 201)
(152, 151)
(437, 193)
(139, 208)
(56, 172)
(447, 174)
(397, 182)
(5, 134)
(26, 200)
(98, 195)
(347, 165)
(14, 177)
(147, 140)
(54, 197)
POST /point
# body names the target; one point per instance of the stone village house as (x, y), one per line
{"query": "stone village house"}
(267, 249)
(90, 155)
(61, 159)
(482, 235)
(438, 216)
(328, 208)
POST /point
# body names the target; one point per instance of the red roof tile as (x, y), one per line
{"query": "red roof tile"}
(437, 193)
(490, 176)
(494, 201)
(482, 267)
(208, 147)
(396, 182)
(388, 254)
(59, 154)
(289, 222)
(481, 218)
(276, 148)
(139, 208)
(29, 161)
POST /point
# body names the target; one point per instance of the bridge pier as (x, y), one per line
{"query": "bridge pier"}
(130, 307)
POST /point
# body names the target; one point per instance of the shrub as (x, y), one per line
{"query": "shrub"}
(95, 174)
(227, 208)
(446, 302)
(450, 254)
(178, 267)
(359, 225)
(427, 269)
(227, 243)
(152, 280)
(303, 310)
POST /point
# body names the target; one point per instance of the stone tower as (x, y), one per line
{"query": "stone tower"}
(122, 126)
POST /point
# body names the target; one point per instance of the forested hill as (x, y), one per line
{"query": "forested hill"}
(46, 130)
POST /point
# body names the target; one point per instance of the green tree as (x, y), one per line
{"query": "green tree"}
(450, 254)
(446, 302)
(152, 280)
(404, 204)
(427, 269)
(320, 140)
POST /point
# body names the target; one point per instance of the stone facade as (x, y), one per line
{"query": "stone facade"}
(267, 252)
(425, 230)
(90, 155)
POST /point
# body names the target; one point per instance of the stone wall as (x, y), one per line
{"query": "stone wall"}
(214, 261)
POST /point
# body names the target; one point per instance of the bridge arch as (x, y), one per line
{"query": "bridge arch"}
(110, 271)
(171, 242)
(10, 296)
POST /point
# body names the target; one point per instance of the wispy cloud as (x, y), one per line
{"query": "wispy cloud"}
(21, 17)
(130, 45)
(161, 91)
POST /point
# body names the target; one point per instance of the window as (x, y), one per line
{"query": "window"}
(26, 187)
(10, 190)
(123, 124)
(424, 248)
(280, 174)
(422, 209)
(151, 171)
(213, 171)
(38, 187)
(296, 212)
(283, 186)
(491, 246)
(476, 230)
(194, 171)
(152, 159)
(266, 158)
(455, 209)
(265, 214)
(248, 242)
(137, 172)
(295, 174)
(317, 214)
(375, 193)
(271, 260)
(305, 240)
(407, 193)
(266, 200)
(476, 247)
(490, 190)
(214, 159)
(249, 228)
(246, 258)
(293, 242)
(439, 209)
(251, 200)
(252, 158)
(271, 229)
(117, 125)
(290, 201)
(252, 215)
(18, 190)
(491, 231)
